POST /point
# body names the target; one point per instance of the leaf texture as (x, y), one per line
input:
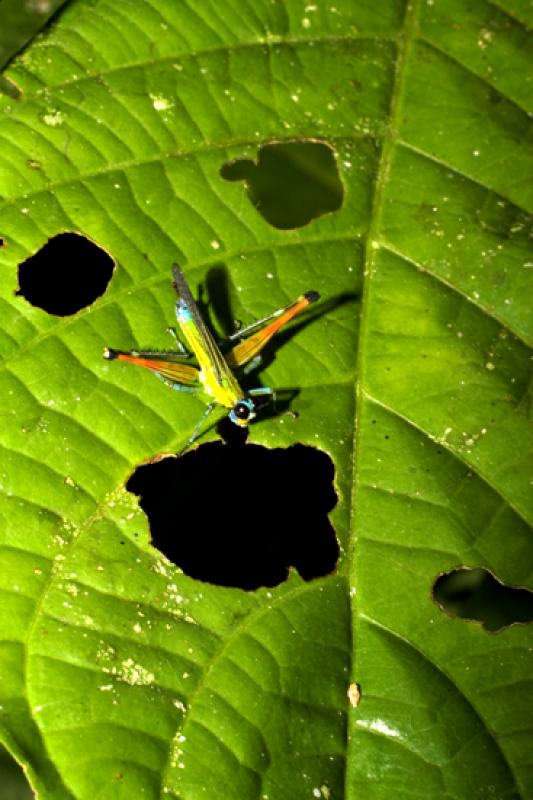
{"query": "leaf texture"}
(122, 677)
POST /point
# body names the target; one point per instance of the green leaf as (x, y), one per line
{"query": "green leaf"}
(20, 22)
(14, 785)
(122, 677)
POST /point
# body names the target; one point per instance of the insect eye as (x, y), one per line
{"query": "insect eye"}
(242, 411)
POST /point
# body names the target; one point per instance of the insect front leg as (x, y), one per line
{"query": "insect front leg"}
(182, 350)
(194, 435)
(266, 392)
(271, 399)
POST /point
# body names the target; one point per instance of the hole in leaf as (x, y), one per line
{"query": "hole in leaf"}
(477, 595)
(67, 274)
(240, 516)
(291, 183)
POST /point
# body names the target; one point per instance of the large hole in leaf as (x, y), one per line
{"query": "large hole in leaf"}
(477, 595)
(291, 183)
(67, 274)
(241, 516)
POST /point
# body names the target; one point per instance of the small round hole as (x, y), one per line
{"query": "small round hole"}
(67, 274)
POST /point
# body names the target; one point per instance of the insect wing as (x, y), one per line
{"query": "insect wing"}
(198, 335)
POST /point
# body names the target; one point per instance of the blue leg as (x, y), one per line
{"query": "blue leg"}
(253, 364)
(194, 434)
(261, 390)
(178, 387)
(264, 391)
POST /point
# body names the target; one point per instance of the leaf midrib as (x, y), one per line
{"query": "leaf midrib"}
(406, 41)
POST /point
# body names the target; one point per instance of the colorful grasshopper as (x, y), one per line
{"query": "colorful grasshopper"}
(214, 371)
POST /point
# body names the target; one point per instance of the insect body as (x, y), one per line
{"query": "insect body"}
(214, 371)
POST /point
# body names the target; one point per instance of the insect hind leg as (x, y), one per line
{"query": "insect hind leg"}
(278, 401)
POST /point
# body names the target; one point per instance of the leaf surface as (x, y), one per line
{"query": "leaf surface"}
(122, 677)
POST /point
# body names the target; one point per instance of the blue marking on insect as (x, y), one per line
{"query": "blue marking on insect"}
(183, 312)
